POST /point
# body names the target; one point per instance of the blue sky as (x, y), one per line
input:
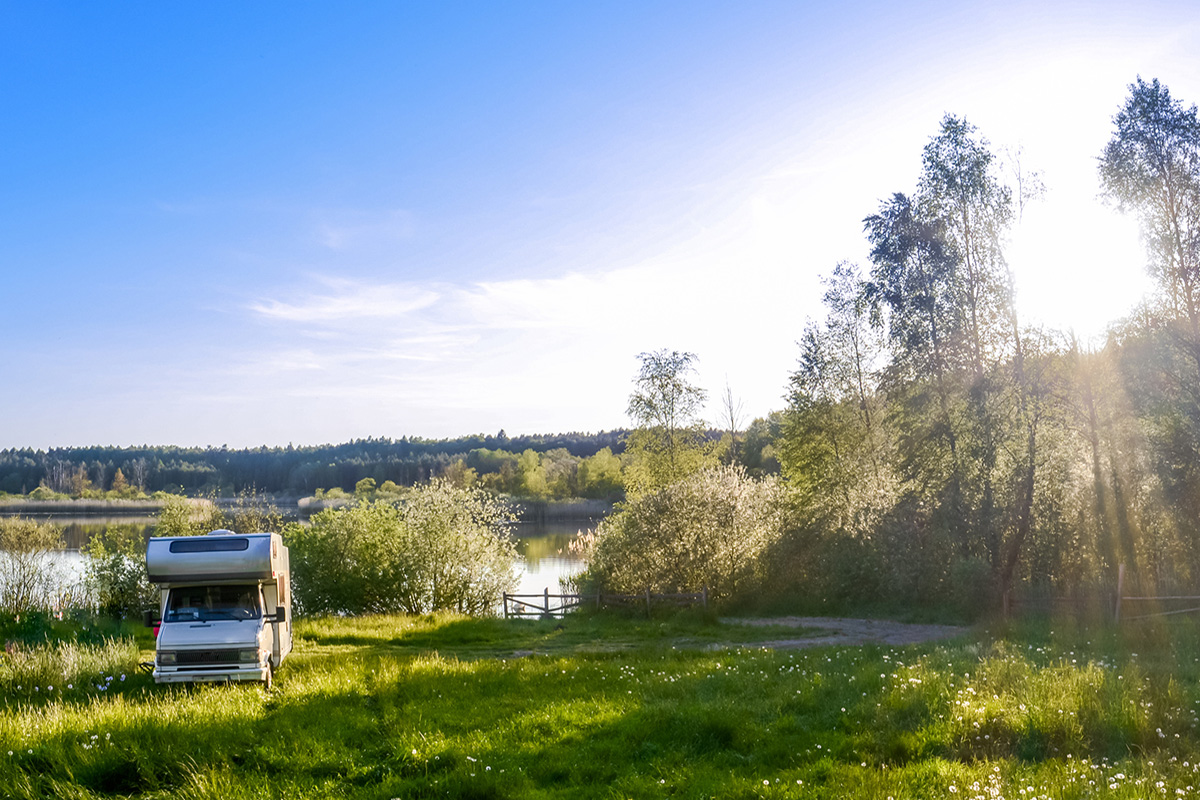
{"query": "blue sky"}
(244, 224)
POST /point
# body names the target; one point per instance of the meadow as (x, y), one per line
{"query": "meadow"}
(608, 706)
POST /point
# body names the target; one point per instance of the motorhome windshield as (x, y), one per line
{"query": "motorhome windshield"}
(190, 603)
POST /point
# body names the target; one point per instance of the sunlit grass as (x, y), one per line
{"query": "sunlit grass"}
(442, 707)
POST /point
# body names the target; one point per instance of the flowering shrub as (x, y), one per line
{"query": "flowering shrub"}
(443, 547)
(707, 530)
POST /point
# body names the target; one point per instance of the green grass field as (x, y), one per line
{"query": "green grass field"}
(446, 706)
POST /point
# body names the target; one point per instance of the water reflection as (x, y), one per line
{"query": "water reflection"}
(546, 556)
(543, 547)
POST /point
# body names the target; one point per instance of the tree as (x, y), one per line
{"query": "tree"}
(914, 291)
(960, 187)
(533, 476)
(457, 474)
(364, 490)
(833, 449)
(732, 418)
(669, 441)
(138, 469)
(1151, 167)
(600, 475)
(914, 283)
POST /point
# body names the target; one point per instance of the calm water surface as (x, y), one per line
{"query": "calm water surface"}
(543, 548)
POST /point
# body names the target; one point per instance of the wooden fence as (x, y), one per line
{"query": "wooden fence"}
(1083, 603)
(1155, 603)
(556, 605)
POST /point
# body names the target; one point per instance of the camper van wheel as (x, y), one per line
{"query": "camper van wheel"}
(270, 679)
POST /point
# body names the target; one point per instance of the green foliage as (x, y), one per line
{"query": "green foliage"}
(115, 572)
(710, 529)
(599, 476)
(443, 547)
(389, 490)
(365, 489)
(290, 471)
(250, 513)
(29, 579)
(44, 493)
(669, 442)
(533, 476)
(342, 563)
(457, 474)
(1151, 168)
(922, 418)
(181, 516)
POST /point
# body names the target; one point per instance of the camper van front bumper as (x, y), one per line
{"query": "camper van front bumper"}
(214, 675)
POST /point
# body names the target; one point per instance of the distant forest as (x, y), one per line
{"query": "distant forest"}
(543, 466)
(274, 470)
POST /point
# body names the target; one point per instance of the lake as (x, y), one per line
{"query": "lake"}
(542, 546)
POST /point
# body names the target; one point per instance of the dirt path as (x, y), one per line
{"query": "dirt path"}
(843, 631)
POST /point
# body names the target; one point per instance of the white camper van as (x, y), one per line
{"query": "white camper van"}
(225, 606)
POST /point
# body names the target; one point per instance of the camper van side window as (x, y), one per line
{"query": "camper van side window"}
(202, 544)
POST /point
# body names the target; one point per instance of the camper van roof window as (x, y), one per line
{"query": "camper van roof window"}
(200, 544)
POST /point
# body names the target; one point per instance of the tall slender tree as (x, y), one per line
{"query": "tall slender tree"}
(1151, 167)
(668, 443)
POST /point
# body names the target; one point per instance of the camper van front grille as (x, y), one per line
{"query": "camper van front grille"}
(190, 657)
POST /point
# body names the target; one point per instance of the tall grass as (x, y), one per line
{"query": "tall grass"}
(59, 666)
(443, 706)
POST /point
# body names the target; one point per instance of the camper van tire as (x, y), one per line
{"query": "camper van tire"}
(269, 681)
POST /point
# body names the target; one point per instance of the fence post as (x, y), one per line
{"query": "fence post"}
(704, 597)
(1120, 591)
(647, 601)
(506, 605)
(546, 600)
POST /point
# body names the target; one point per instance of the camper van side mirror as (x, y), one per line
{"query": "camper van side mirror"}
(148, 618)
(281, 614)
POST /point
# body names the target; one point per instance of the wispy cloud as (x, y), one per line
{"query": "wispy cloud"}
(341, 299)
(550, 352)
(346, 229)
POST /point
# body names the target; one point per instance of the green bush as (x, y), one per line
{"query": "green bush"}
(181, 516)
(115, 573)
(709, 529)
(44, 493)
(444, 547)
(251, 513)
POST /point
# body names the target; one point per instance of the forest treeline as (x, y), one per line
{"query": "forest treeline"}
(545, 466)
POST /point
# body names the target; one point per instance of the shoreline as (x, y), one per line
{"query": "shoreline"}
(526, 510)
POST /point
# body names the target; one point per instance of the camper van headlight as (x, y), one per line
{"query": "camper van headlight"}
(248, 656)
(166, 657)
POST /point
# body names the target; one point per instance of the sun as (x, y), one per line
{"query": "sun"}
(1078, 266)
